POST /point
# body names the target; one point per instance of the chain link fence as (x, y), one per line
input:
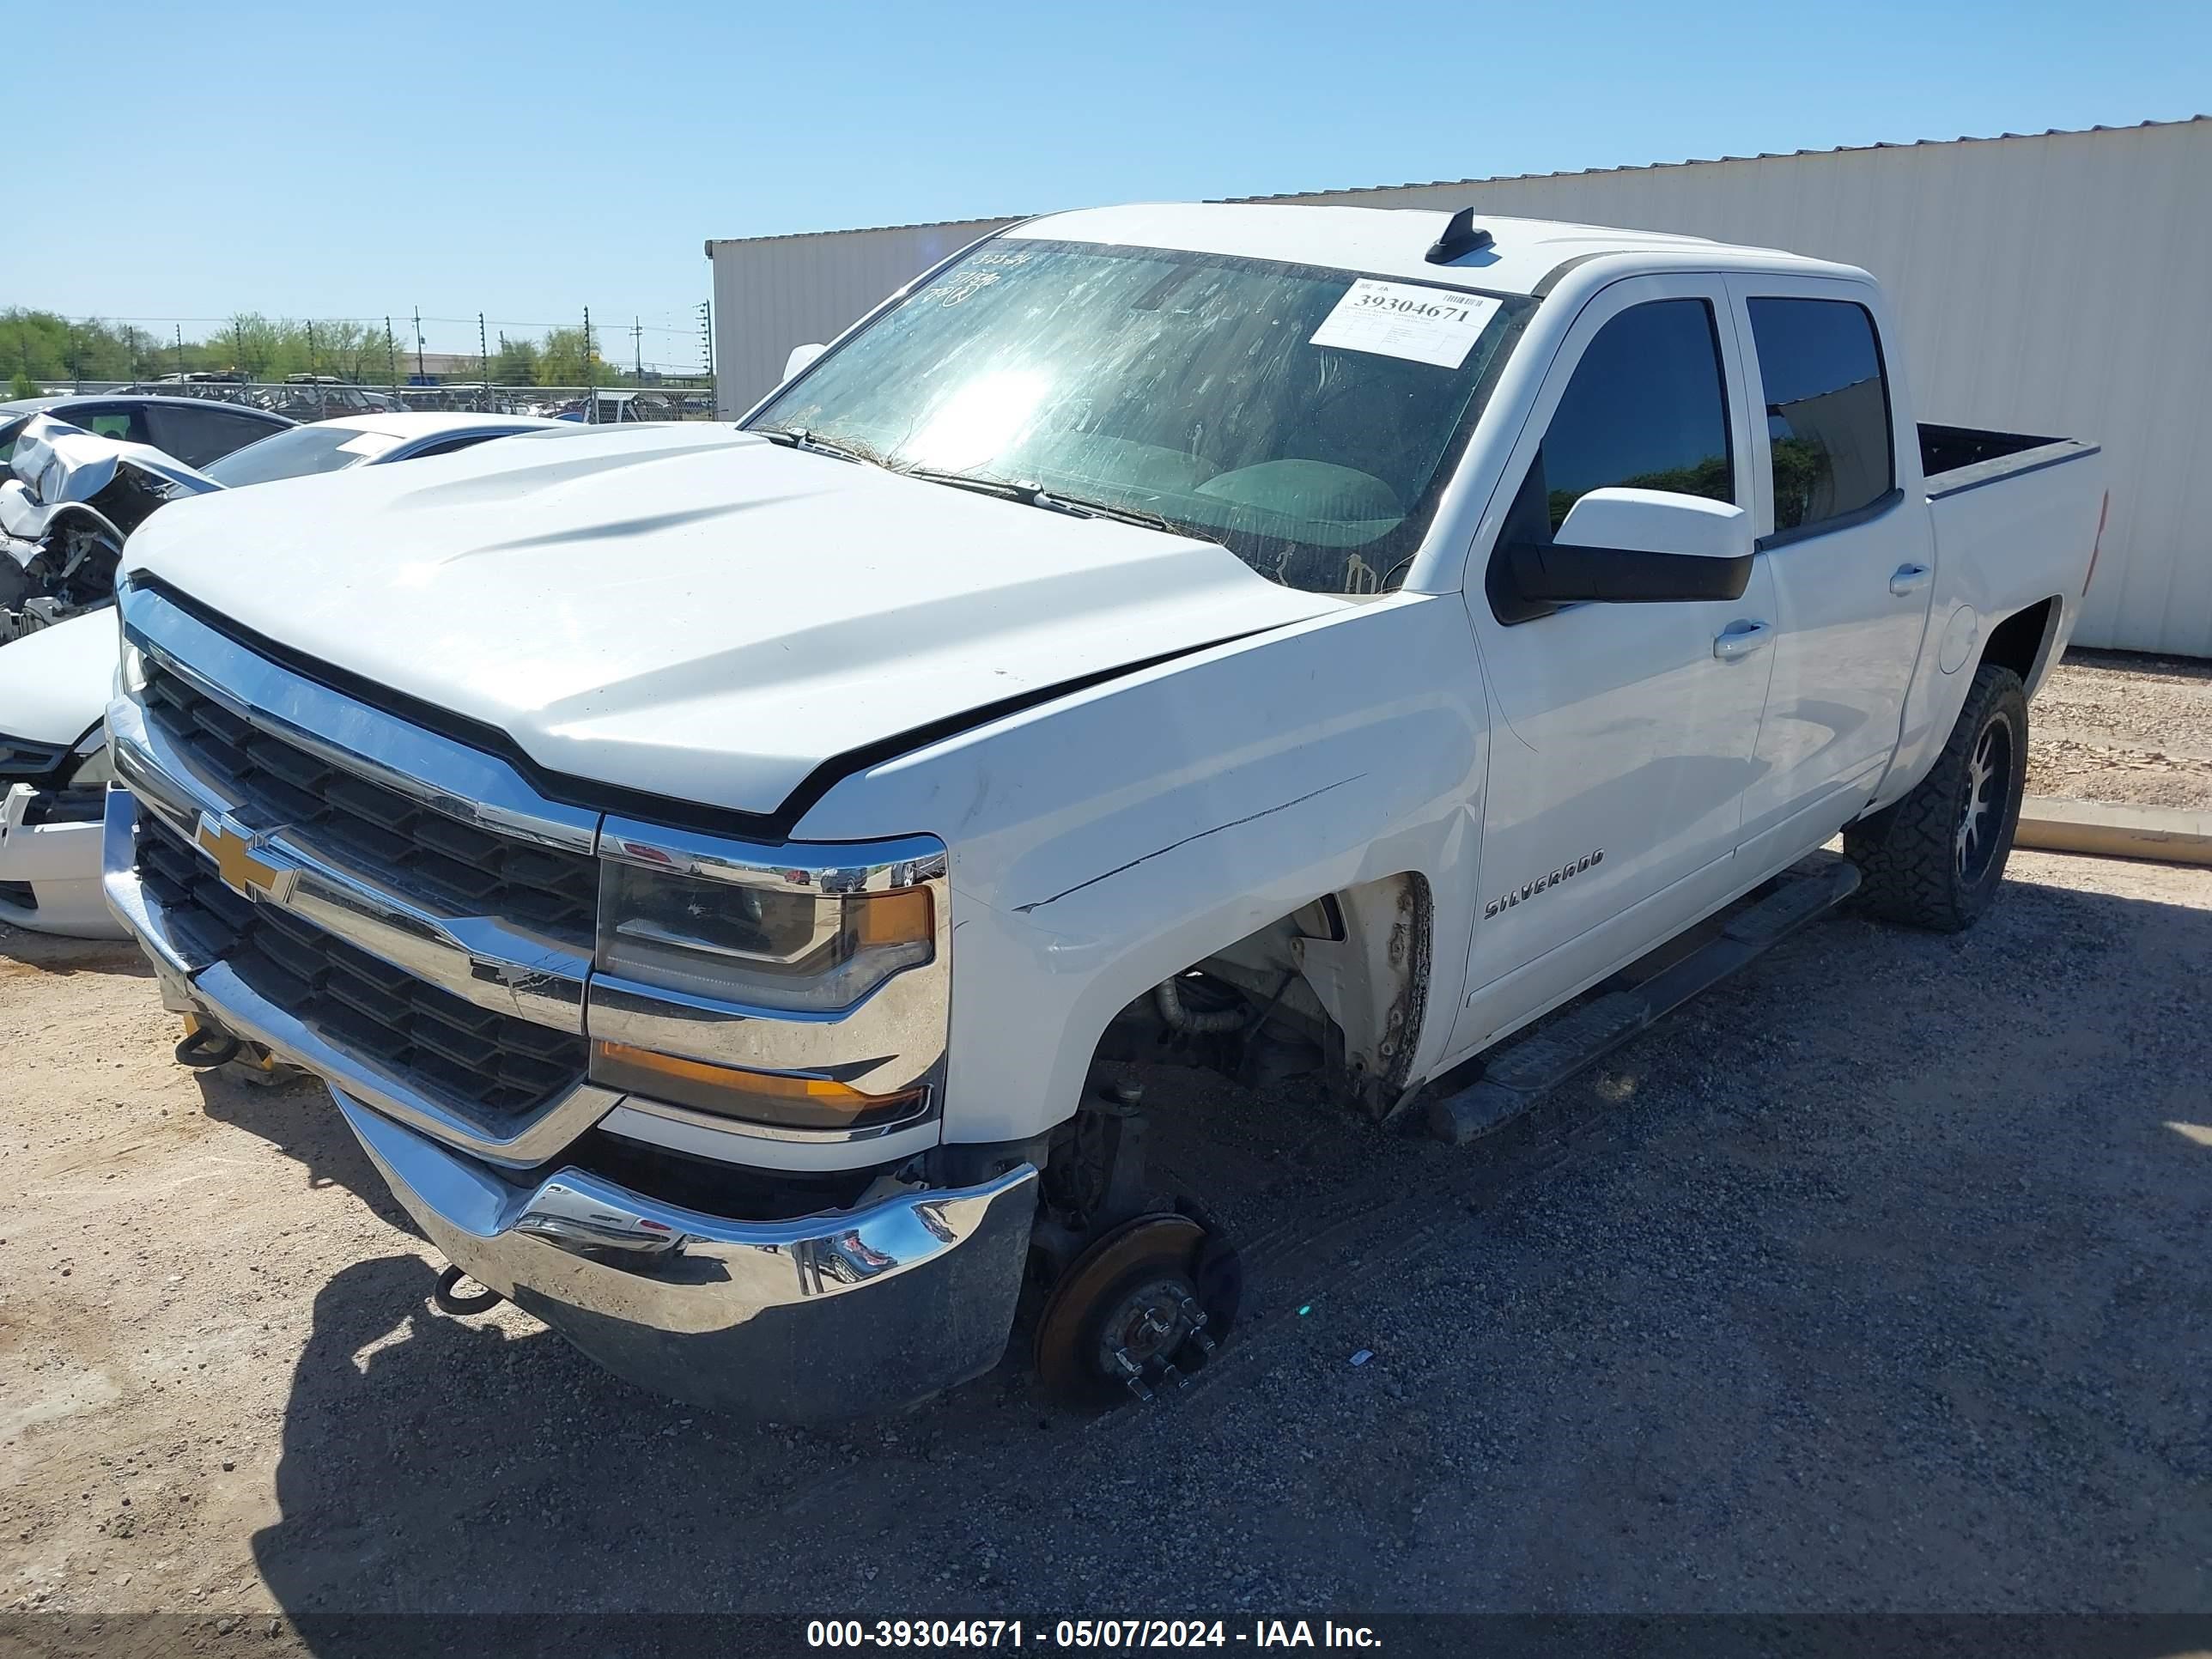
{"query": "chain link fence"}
(659, 367)
(319, 400)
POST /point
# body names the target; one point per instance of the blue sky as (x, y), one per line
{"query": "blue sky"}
(527, 160)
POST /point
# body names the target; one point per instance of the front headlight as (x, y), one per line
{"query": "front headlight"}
(710, 939)
(726, 941)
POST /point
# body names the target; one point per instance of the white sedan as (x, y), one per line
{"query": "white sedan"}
(372, 440)
(54, 683)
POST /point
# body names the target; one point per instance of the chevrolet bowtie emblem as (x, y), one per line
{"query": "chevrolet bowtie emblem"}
(237, 860)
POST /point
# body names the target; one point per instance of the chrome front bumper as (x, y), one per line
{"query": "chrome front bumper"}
(830, 1315)
(838, 1314)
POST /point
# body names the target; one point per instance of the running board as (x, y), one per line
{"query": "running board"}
(1519, 1074)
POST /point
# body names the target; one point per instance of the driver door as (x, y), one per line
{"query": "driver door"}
(1626, 733)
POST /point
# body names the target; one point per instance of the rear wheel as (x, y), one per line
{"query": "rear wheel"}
(1934, 858)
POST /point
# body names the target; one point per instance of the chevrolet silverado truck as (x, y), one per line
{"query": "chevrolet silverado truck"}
(719, 870)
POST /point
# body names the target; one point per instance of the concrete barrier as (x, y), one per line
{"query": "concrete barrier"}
(2108, 829)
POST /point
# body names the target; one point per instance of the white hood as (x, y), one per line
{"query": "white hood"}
(54, 682)
(691, 611)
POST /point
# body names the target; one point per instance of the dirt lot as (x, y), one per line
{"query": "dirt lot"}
(2112, 725)
(1876, 1280)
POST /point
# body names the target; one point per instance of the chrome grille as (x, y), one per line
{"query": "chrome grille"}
(506, 1068)
(471, 870)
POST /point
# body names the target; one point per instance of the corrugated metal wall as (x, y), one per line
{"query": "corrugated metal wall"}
(772, 293)
(2059, 283)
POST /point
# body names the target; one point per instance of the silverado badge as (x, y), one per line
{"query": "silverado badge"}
(1549, 879)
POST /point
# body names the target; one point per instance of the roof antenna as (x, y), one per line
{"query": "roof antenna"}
(1460, 237)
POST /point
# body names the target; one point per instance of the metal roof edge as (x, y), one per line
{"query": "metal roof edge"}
(1716, 160)
(713, 242)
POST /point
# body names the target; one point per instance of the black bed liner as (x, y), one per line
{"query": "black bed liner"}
(1958, 457)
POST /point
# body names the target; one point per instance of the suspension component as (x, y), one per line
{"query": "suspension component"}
(1133, 1315)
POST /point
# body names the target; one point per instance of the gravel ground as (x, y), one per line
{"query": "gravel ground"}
(1874, 1279)
(2112, 726)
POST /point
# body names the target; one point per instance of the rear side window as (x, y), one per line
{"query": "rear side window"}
(196, 436)
(452, 446)
(1828, 409)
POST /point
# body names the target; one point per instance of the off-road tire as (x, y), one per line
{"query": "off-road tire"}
(1917, 865)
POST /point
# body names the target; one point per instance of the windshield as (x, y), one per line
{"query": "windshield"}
(298, 453)
(1304, 418)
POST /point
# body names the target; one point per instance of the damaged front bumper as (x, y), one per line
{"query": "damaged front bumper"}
(836, 1313)
(50, 868)
(823, 1316)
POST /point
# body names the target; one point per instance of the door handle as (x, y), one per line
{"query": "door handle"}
(1910, 579)
(1741, 639)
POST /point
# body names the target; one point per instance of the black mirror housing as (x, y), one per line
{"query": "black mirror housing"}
(1557, 572)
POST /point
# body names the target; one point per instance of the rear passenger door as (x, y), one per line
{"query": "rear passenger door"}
(1627, 732)
(1852, 568)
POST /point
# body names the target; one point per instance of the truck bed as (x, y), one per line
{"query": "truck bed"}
(1956, 458)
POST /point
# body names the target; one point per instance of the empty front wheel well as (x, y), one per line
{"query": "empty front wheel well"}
(1346, 976)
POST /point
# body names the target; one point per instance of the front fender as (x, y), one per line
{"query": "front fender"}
(1102, 843)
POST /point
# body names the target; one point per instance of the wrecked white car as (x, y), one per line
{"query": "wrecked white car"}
(64, 513)
(87, 492)
(54, 775)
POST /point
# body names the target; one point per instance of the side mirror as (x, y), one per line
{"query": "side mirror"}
(802, 356)
(1638, 546)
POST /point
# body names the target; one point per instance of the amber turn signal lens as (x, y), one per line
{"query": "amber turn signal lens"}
(895, 917)
(770, 1097)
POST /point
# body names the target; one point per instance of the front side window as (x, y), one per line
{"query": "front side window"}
(1645, 408)
(1185, 387)
(118, 421)
(1828, 409)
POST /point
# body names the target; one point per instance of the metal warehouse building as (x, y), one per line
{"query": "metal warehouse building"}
(2059, 282)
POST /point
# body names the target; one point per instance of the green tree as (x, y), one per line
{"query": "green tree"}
(561, 362)
(22, 386)
(515, 364)
(255, 344)
(49, 347)
(356, 351)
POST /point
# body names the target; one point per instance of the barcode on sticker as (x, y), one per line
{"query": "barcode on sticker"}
(1404, 319)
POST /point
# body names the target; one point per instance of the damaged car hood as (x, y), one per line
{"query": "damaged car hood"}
(695, 612)
(53, 684)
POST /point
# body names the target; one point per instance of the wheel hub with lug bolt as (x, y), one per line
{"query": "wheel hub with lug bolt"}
(1129, 1317)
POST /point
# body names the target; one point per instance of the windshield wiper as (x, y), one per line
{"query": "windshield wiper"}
(798, 437)
(1035, 495)
(1010, 489)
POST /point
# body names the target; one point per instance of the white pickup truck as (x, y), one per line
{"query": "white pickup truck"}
(715, 870)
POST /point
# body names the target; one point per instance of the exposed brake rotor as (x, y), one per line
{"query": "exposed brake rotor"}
(1140, 1309)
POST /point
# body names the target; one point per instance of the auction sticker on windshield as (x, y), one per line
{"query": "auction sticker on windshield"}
(1402, 319)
